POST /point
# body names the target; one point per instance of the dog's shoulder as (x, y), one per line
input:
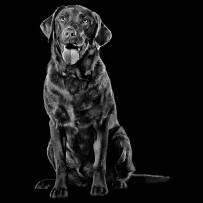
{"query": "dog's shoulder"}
(98, 73)
(98, 95)
(53, 77)
(54, 87)
(99, 82)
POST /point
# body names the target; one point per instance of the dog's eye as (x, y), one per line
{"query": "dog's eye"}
(63, 18)
(85, 21)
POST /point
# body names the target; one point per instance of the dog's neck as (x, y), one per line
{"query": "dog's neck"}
(84, 67)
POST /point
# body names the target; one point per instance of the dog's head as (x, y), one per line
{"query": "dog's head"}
(74, 29)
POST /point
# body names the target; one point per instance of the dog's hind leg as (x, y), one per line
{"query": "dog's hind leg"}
(120, 159)
(120, 156)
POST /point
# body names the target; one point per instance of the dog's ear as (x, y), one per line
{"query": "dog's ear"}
(103, 34)
(47, 25)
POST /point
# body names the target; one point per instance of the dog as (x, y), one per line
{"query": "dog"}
(88, 146)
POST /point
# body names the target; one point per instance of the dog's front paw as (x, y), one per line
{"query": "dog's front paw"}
(59, 193)
(99, 190)
(120, 184)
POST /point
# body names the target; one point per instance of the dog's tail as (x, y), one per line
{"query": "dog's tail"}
(148, 178)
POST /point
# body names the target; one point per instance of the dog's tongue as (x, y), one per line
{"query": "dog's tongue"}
(70, 56)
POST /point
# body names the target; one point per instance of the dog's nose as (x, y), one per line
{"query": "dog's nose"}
(69, 33)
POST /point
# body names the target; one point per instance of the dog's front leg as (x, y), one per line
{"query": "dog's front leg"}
(99, 186)
(60, 188)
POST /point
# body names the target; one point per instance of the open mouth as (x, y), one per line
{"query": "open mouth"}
(72, 53)
(72, 46)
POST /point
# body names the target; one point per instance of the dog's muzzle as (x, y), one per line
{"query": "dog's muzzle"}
(72, 46)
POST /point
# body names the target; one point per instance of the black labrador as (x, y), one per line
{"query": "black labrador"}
(88, 147)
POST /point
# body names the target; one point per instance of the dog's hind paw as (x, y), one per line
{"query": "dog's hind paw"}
(45, 184)
(59, 193)
(119, 184)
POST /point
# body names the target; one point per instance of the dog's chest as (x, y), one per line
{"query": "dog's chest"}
(78, 88)
(76, 101)
(74, 85)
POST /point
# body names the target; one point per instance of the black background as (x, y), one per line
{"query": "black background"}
(143, 66)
